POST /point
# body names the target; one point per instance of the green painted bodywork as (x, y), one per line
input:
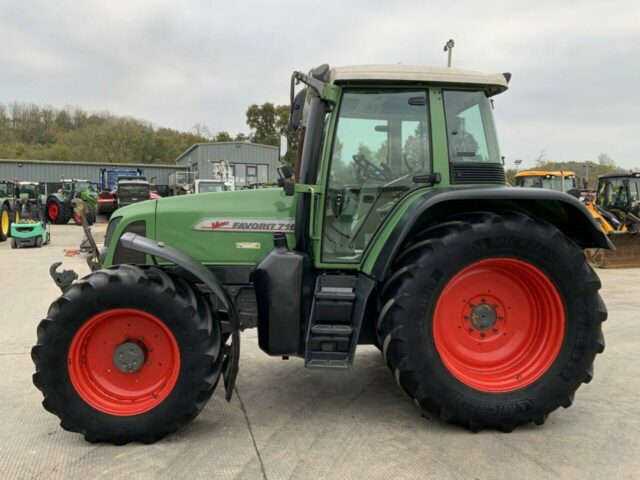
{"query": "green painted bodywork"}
(172, 220)
(181, 214)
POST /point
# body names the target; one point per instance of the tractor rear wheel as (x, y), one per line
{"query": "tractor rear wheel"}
(492, 320)
(127, 354)
(5, 222)
(58, 212)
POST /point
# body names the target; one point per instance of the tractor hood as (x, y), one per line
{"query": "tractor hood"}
(218, 228)
(224, 227)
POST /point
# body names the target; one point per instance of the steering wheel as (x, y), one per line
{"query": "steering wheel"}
(367, 170)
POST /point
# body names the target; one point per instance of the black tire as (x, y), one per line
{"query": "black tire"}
(91, 215)
(14, 244)
(65, 211)
(173, 301)
(39, 242)
(411, 293)
(5, 230)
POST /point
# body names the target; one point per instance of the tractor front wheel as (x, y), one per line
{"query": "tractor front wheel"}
(127, 354)
(5, 222)
(492, 320)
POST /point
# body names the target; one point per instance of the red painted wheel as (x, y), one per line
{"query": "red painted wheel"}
(76, 218)
(499, 324)
(53, 211)
(124, 362)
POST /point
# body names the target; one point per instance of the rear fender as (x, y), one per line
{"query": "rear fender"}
(565, 212)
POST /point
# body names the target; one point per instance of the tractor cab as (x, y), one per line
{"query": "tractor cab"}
(619, 193)
(561, 181)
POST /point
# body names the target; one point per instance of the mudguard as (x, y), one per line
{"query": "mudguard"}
(565, 212)
(161, 250)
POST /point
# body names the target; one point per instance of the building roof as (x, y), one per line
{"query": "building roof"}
(417, 73)
(96, 164)
(242, 144)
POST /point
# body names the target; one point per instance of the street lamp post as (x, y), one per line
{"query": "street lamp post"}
(448, 47)
(517, 162)
(586, 177)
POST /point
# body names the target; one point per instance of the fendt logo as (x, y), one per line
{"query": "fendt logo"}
(245, 225)
(217, 224)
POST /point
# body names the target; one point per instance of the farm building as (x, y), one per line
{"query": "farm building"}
(250, 162)
(52, 172)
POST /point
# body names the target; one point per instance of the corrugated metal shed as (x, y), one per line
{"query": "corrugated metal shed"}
(51, 171)
(251, 162)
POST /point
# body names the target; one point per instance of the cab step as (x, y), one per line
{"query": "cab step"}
(336, 316)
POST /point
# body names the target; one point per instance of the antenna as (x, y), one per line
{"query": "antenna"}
(448, 47)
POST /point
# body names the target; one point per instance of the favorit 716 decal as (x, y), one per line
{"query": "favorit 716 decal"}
(244, 225)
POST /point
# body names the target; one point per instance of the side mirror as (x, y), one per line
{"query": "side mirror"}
(286, 179)
(283, 146)
(297, 106)
(285, 172)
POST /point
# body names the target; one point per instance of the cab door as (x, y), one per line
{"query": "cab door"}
(381, 140)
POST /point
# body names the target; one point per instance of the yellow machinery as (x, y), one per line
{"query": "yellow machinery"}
(617, 209)
(561, 181)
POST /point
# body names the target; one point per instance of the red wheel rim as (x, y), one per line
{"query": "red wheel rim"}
(100, 381)
(77, 219)
(52, 210)
(499, 324)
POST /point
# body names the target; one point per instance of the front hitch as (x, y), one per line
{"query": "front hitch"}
(62, 279)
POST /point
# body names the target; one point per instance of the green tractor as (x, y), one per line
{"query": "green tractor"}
(30, 229)
(8, 208)
(398, 230)
(58, 206)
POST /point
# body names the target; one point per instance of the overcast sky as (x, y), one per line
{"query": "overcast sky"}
(576, 65)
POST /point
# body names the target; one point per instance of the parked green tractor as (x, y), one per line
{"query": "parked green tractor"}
(58, 206)
(8, 208)
(398, 230)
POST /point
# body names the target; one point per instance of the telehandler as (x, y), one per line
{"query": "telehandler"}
(399, 230)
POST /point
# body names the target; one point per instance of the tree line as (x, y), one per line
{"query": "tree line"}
(29, 131)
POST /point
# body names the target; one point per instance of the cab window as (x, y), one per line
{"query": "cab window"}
(470, 130)
(381, 142)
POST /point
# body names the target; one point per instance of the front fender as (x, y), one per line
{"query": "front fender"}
(565, 212)
(161, 250)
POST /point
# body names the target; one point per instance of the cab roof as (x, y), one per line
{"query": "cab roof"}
(497, 82)
(621, 175)
(541, 173)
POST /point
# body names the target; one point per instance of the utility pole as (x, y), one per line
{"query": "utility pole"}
(586, 179)
(448, 47)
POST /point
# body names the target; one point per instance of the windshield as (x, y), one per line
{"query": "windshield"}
(207, 187)
(3, 189)
(381, 142)
(470, 130)
(78, 186)
(134, 190)
(550, 182)
(28, 191)
(618, 193)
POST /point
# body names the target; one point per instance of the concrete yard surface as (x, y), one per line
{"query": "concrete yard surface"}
(285, 421)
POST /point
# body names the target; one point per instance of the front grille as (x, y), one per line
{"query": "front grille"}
(477, 172)
(125, 255)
